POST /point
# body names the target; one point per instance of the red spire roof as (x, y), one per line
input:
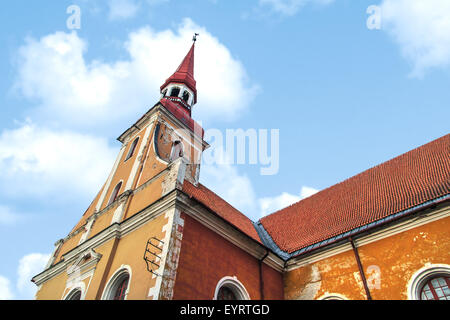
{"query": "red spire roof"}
(185, 73)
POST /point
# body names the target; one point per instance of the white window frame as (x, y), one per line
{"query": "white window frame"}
(128, 157)
(235, 285)
(175, 87)
(78, 287)
(421, 277)
(118, 193)
(333, 296)
(111, 286)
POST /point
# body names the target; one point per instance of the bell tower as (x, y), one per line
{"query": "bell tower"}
(138, 202)
(180, 87)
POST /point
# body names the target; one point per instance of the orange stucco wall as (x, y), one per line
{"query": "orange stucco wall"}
(397, 258)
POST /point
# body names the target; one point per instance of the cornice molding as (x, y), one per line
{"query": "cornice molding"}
(150, 115)
(179, 200)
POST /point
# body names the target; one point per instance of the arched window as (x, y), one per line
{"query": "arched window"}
(437, 288)
(115, 193)
(132, 149)
(229, 288)
(175, 92)
(333, 296)
(74, 295)
(164, 93)
(120, 291)
(186, 96)
(431, 282)
(177, 150)
(225, 293)
(119, 285)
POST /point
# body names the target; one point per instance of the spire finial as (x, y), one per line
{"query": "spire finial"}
(195, 37)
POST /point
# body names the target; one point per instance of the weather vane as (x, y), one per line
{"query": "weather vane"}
(195, 37)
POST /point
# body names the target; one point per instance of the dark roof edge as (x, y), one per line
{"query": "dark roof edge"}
(267, 240)
(270, 243)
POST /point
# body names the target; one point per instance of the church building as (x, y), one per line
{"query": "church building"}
(155, 232)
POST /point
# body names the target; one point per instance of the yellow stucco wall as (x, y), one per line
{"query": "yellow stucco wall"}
(123, 169)
(129, 251)
(146, 196)
(53, 289)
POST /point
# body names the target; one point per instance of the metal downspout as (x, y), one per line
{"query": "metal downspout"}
(261, 279)
(361, 270)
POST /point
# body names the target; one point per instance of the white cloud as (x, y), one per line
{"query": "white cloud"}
(53, 71)
(272, 204)
(37, 161)
(290, 7)
(29, 266)
(5, 289)
(237, 189)
(422, 30)
(306, 192)
(122, 9)
(225, 180)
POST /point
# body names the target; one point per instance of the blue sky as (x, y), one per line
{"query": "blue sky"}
(344, 98)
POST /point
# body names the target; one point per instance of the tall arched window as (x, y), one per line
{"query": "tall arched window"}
(119, 285)
(225, 293)
(115, 193)
(74, 295)
(121, 290)
(229, 288)
(186, 96)
(132, 149)
(175, 92)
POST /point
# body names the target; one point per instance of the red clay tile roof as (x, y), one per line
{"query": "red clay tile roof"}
(404, 182)
(221, 208)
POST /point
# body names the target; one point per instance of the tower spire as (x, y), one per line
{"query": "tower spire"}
(181, 86)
